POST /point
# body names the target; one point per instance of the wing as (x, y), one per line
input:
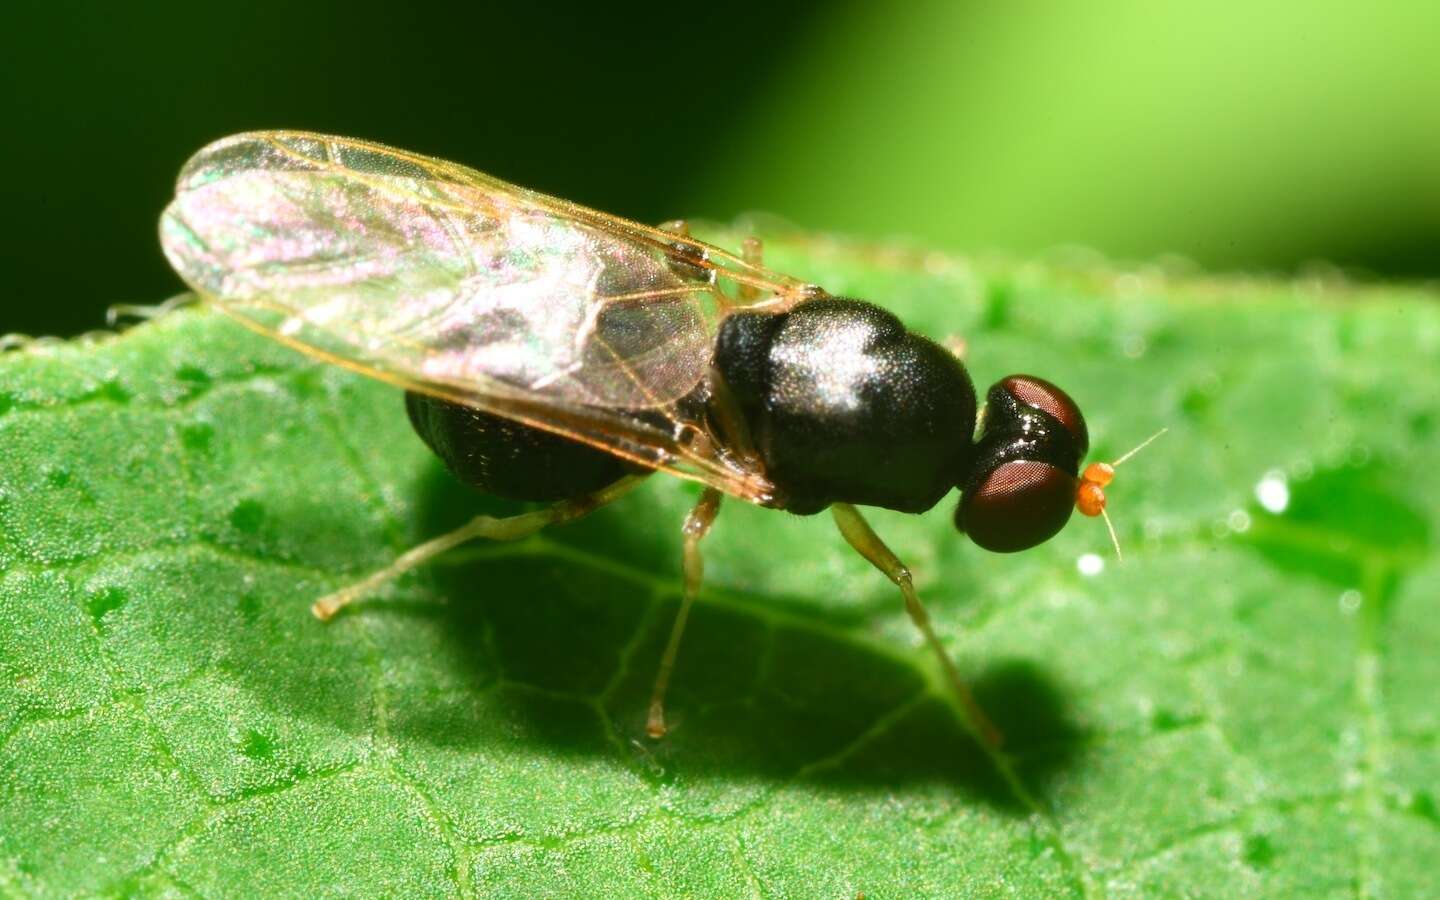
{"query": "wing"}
(446, 281)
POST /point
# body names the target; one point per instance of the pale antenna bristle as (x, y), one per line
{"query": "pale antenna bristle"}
(1141, 446)
(1119, 557)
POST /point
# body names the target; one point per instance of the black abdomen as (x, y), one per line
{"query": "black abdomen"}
(845, 405)
(508, 459)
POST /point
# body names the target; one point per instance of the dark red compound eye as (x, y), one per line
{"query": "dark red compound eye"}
(1019, 505)
(1046, 397)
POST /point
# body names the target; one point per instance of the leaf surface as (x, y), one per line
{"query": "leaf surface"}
(1246, 705)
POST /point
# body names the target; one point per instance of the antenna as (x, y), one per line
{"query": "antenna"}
(1090, 493)
(1119, 557)
(1141, 446)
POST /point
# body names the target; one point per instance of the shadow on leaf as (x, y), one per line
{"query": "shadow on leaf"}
(561, 639)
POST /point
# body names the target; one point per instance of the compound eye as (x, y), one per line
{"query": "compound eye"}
(1018, 505)
(1046, 397)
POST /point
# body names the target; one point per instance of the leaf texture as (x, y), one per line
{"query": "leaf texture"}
(1245, 706)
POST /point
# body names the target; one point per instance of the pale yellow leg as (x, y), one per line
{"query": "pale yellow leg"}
(858, 533)
(120, 311)
(752, 250)
(697, 525)
(510, 528)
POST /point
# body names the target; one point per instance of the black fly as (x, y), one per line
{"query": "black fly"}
(555, 354)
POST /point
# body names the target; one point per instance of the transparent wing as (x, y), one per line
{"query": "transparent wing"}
(447, 281)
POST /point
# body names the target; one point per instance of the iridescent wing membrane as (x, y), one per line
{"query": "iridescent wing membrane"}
(449, 282)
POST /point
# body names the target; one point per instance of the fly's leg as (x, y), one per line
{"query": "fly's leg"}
(685, 260)
(509, 528)
(697, 525)
(858, 533)
(752, 250)
(17, 341)
(119, 311)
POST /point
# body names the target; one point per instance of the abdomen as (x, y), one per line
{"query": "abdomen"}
(508, 459)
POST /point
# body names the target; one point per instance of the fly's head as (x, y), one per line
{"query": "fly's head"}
(1024, 477)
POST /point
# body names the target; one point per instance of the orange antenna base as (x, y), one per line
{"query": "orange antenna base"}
(1090, 492)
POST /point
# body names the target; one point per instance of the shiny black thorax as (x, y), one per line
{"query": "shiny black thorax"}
(844, 405)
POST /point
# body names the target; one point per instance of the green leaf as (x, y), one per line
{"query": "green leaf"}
(1246, 705)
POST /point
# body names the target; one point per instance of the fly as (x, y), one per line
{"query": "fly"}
(556, 354)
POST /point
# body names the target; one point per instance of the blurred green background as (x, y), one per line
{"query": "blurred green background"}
(1242, 135)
